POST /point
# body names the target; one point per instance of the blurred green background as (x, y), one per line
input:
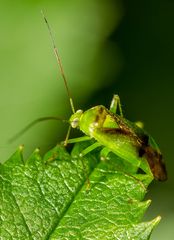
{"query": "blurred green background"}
(107, 47)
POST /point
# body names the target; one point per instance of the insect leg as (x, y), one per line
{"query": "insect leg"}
(75, 140)
(83, 153)
(90, 148)
(114, 103)
(104, 153)
(67, 136)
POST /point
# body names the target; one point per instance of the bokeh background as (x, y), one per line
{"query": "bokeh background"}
(107, 47)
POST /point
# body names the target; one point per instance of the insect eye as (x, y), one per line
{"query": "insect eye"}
(75, 123)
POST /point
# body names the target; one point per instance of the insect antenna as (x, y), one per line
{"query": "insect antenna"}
(30, 125)
(59, 62)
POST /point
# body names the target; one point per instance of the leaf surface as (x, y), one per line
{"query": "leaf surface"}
(49, 198)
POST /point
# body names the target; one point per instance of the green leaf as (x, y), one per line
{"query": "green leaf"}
(49, 198)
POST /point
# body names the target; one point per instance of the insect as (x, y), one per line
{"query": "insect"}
(118, 135)
(112, 132)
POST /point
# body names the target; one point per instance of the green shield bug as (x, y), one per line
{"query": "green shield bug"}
(112, 132)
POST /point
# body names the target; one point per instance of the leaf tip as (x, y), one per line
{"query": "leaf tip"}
(21, 147)
(37, 150)
(148, 202)
(157, 219)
